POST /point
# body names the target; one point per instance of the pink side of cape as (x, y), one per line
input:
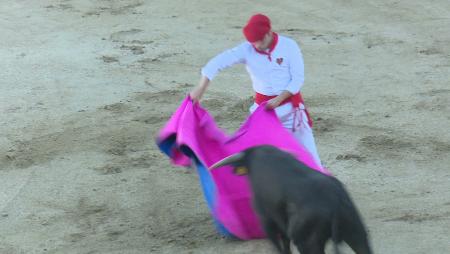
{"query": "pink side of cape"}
(196, 129)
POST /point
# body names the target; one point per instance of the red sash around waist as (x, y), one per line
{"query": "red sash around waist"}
(295, 99)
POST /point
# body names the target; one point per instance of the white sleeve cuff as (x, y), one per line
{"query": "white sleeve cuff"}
(293, 88)
(208, 73)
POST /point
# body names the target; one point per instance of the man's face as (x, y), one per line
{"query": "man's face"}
(264, 43)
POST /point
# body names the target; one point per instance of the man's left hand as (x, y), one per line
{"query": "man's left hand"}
(273, 103)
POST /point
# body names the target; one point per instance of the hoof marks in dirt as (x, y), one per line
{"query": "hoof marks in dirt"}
(162, 97)
(117, 107)
(347, 157)
(108, 170)
(135, 49)
(322, 125)
(122, 35)
(417, 218)
(435, 100)
(110, 59)
(151, 119)
(386, 143)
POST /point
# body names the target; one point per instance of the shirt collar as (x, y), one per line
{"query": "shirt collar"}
(271, 47)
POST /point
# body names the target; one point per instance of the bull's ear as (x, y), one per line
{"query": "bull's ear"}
(233, 160)
(240, 170)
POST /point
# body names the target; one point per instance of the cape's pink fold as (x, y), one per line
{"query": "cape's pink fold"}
(194, 128)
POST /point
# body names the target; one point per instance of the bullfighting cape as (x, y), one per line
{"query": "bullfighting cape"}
(192, 138)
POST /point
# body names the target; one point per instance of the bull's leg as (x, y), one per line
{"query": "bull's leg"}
(311, 245)
(359, 244)
(301, 247)
(286, 243)
(272, 231)
(356, 237)
(305, 248)
(310, 235)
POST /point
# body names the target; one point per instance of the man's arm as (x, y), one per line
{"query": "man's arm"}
(197, 93)
(296, 69)
(275, 102)
(215, 65)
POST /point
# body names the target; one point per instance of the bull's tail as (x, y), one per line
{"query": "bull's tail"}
(334, 233)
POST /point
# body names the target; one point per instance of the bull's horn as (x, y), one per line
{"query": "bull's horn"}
(228, 160)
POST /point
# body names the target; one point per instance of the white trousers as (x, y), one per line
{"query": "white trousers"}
(298, 125)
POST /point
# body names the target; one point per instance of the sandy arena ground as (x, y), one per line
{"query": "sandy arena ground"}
(86, 85)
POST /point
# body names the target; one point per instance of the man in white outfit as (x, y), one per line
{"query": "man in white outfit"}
(275, 65)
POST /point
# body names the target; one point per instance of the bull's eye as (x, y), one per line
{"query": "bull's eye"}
(240, 171)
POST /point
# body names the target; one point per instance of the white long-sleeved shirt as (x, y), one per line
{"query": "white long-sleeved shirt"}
(285, 70)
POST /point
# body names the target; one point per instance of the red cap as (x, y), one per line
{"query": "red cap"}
(256, 28)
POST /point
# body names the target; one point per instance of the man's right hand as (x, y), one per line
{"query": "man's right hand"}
(197, 93)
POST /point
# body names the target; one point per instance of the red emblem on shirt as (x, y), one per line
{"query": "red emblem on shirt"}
(279, 60)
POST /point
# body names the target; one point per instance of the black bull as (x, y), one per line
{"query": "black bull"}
(296, 203)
